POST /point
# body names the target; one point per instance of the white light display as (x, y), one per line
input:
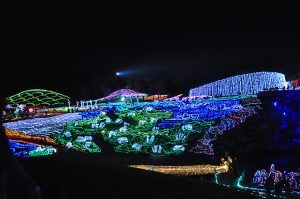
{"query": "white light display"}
(137, 146)
(88, 144)
(107, 120)
(150, 139)
(122, 140)
(111, 134)
(68, 134)
(88, 138)
(180, 136)
(187, 127)
(86, 104)
(157, 149)
(123, 129)
(153, 120)
(178, 148)
(245, 84)
(43, 126)
(148, 109)
(69, 145)
(119, 121)
(80, 139)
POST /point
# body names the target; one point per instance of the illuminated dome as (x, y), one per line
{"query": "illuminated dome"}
(245, 84)
(38, 97)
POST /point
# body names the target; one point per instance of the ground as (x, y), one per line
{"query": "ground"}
(76, 175)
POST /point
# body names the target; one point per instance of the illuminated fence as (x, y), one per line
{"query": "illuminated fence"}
(245, 84)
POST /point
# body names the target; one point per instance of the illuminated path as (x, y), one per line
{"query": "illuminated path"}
(43, 126)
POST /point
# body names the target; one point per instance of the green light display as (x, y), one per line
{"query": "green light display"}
(136, 132)
(38, 97)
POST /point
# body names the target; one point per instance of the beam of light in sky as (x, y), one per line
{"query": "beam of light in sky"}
(141, 70)
(124, 73)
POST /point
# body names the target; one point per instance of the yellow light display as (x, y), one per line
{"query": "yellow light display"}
(187, 170)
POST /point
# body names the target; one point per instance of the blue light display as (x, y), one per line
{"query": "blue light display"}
(275, 104)
(21, 149)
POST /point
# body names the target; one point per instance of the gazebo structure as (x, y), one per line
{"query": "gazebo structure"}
(122, 95)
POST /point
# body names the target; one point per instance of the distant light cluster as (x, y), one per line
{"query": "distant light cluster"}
(245, 84)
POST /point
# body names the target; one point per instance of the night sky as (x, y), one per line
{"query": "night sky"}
(76, 48)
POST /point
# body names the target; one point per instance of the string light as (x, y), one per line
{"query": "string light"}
(248, 108)
(156, 128)
(122, 94)
(42, 151)
(36, 97)
(43, 126)
(186, 170)
(15, 135)
(245, 84)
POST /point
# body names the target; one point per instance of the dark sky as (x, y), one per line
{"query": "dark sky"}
(76, 47)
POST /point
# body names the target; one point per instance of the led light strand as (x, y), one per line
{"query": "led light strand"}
(245, 84)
